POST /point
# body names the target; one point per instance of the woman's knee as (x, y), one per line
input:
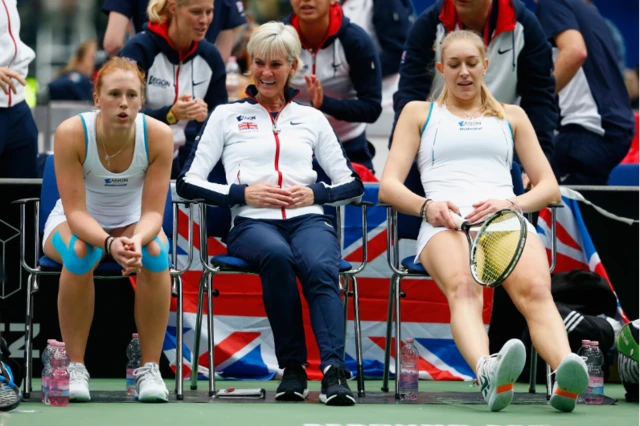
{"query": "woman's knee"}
(533, 293)
(463, 289)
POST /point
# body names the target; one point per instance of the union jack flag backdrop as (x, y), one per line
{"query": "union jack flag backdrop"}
(243, 340)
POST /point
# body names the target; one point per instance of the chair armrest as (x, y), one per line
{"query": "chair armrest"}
(556, 206)
(384, 205)
(26, 201)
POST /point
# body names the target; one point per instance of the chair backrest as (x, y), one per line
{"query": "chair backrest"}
(409, 226)
(49, 195)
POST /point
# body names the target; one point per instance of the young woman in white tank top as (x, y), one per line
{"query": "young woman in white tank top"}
(464, 145)
(112, 170)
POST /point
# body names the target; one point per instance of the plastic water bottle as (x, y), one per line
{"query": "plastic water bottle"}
(59, 382)
(585, 353)
(595, 389)
(46, 371)
(133, 353)
(233, 79)
(409, 371)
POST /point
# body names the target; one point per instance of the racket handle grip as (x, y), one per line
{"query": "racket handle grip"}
(457, 219)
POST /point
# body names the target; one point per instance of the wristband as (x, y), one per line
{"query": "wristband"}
(515, 205)
(426, 209)
(422, 209)
(106, 240)
(109, 246)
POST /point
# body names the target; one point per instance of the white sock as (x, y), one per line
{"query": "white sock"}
(326, 369)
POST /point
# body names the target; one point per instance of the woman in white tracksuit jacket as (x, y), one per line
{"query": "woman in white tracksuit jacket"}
(18, 132)
(267, 143)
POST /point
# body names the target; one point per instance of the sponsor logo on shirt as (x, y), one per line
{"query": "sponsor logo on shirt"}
(155, 81)
(470, 125)
(116, 182)
(245, 117)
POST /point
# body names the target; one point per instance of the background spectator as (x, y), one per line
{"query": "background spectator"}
(387, 22)
(75, 80)
(341, 73)
(228, 15)
(596, 125)
(185, 73)
(18, 132)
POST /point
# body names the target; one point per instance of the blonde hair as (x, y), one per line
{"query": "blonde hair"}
(490, 105)
(158, 9)
(273, 39)
(117, 63)
(79, 55)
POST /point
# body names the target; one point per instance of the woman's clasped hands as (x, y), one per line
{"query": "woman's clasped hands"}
(272, 196)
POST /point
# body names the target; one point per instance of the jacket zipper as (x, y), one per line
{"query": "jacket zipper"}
(276, 132)
(15, 45)
(175, 99)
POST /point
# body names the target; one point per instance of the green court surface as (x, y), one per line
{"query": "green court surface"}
(315, 414)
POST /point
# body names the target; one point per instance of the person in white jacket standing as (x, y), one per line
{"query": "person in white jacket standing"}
(18, 132)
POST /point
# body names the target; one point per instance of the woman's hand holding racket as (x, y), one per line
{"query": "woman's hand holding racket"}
(437, 214)
(483, 209)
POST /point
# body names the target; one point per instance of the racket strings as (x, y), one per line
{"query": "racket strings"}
(8, 395)
(496, 247)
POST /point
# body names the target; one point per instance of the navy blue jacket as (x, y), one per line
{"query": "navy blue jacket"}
(227, 14)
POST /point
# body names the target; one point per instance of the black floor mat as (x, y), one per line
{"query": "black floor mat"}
(201, 396)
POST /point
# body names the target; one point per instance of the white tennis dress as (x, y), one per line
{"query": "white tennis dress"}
(463, 161)
(114, 200)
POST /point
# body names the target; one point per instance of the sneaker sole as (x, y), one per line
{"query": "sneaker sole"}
(339, 399)
(79, 397)
(292, 396)
(571, 379)
(513, 356)
(152, 398)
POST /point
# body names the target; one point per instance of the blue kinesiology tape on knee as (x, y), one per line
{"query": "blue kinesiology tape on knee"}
(156, 263)
(70, 260)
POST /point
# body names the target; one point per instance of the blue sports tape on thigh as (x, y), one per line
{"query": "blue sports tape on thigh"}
(156, 263)
(70, 260)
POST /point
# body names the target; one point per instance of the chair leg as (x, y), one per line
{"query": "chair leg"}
(358, 336)
(195, 353)
(345, 306)
(28, 334)
(210, 339)
(179, 342)
(387, 344)
(549, 381)
(533, 369)
(398, 336)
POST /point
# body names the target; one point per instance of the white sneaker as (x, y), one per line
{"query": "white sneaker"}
(78, 382)
(572, 378)
(149, 385)
(498, 372)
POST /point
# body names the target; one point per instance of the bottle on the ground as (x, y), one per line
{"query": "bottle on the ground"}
(134, 355)
(59, 382)
(585, 353)
(595, 389)
(408, 376)
(46, 371)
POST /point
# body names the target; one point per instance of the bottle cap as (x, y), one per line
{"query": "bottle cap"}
(135, 336)
(51, 341)
(586, 342)
(410, 339)
(594, 343)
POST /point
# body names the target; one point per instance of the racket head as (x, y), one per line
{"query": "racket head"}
(497, 247)
(10, 394)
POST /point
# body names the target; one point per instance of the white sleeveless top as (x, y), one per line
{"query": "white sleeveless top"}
(113, 199)
(465, 161)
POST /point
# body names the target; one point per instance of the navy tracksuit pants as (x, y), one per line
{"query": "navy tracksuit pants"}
(18, 142)
(305, 247)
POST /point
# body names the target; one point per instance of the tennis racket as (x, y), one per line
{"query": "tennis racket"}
(10, 395)
(495, 246)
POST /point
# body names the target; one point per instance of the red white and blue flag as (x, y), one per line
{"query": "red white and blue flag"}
(244, 346)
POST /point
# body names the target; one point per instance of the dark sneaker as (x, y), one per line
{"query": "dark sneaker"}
(335, 390)
(293, 386)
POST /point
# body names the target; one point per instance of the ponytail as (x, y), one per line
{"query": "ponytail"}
(157, 11)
